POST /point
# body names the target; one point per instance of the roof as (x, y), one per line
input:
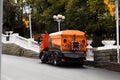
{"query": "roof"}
(68, 32)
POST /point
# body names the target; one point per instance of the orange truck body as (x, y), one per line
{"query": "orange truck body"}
(64, 39)
(65, 44)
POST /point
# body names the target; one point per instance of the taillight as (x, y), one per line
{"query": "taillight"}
(83, 43)
(64, 40)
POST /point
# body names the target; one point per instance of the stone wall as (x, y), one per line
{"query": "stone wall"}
(13, 49)
(113, 66)
(103, 57)
(106, 59)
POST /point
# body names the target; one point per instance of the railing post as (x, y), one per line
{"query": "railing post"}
(89, 53)
(9, 35)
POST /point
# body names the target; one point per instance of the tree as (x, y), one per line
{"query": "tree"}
(86, 15)
(13, 13)
(8, 14)
(76, 14)
(100, 20)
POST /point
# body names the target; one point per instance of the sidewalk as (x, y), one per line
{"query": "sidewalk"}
(111, 66)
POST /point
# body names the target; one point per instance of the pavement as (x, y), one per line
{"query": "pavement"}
(22, 68)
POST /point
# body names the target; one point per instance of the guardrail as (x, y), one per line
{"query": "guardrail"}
(21, 41)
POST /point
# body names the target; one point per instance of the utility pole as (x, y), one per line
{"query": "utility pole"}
(1, 17)
(117, 29)
(30, 25)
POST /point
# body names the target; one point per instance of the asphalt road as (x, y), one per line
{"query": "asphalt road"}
(21, 68)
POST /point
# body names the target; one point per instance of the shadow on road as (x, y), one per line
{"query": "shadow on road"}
(72, 66)
(68, 66)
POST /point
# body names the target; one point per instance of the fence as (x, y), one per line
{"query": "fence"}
(20, 41)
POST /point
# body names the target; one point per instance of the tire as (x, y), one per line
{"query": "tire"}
(56, 61)
(51, 59)
(43, 58)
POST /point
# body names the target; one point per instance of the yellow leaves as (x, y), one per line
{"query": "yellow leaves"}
(106, 2)
(111, 7)
(23, 19)
(112, 13)
(26, 22)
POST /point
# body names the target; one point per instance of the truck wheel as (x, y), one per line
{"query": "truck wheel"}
(43, 58)
(56, 61)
